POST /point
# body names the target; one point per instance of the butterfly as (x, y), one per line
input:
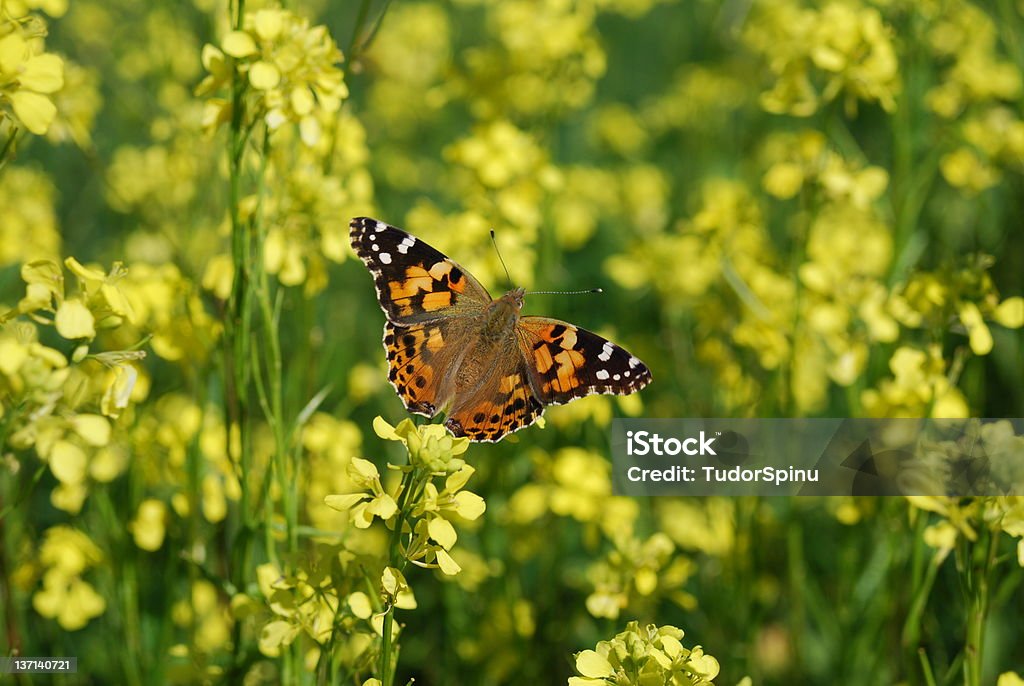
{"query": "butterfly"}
(453, 348)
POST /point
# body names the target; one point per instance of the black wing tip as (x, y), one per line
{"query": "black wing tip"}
(360, 225)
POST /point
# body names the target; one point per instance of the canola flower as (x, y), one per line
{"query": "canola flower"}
(819, 54)
(419, 515)
(290, 66)
(29, 76)
(426, 510)
(66, 554)
(645, 655)
(60, 405)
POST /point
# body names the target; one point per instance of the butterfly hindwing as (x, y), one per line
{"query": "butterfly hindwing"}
(567, 362)
(502, 404)
(415, 282)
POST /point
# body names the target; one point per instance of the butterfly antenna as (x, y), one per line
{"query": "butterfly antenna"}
(494, 242)
(589, 290)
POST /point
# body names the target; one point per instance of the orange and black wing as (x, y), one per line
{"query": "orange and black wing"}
(567, 362)
(415, 282)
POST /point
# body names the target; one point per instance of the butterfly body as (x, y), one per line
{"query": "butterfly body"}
(453, 348)
(502, 316)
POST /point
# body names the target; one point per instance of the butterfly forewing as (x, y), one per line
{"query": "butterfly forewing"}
(568, 362)
(415, 282)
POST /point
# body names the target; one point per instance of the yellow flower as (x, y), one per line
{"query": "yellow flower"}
(642, 655)
(77, 103)
(28, 77)
(430, 445)
(363, 507)
(819, 54)
(119, 391)
(74, 320)
(71, 601)
(963, 168)
(1010, 312)
(65, 596)
(291, 67)
(149, 526)
(29, 229)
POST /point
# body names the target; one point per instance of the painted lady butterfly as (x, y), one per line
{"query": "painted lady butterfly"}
(451, 347)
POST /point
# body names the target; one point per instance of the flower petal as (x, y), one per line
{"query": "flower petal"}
(239, 44)
(264, 76)
(447, 565)
(442, 531)
(345, 501)
(592, 664)
(35, 111)
(43, 74)
(74, 320)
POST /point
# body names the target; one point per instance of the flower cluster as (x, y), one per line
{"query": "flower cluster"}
(65, 555)
(29, 76)
(418, 509)
(817, 55)
(290, 66)
(543, 56)
(302, 602)
(638, 573)
(973, 93)
(59, 403)
(645, 655)
(961, 297)
(964, 519)
(29, 230)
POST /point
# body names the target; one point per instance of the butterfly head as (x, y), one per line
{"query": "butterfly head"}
(514, 298)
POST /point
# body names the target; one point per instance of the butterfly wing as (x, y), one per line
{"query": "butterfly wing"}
(566, 362)
(547, 362)
(415, 282)
(434, 308)
(417, 356)
(501, 402)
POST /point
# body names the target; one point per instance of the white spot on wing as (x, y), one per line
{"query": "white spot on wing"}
(606, 352)
(385, 258)
(617, 377)
(381, 226)
(375, 246)
(633, 362)
(602, 374)
(406, 243)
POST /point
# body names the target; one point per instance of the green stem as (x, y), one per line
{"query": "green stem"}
(239, 322)
(357, 29)
(238, 335)
(7, 154)
(411, 485)
(922, 583)
(125, 588)
(361, 38)
(978, 613)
